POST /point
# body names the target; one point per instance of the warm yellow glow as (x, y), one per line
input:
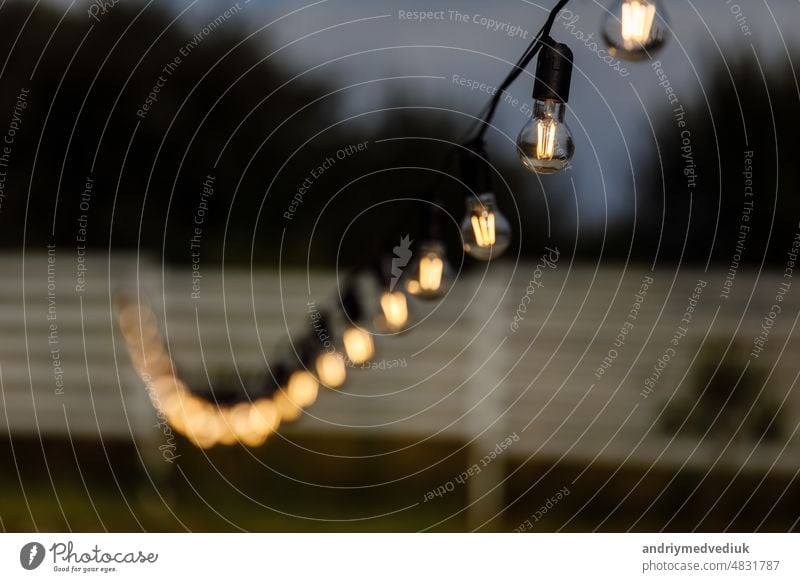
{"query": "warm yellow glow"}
(240, 418)
(202, 423)
(265, 416)
(227, 435)
(395, 309)
(483, 228)
(287, 409)
(331, 369)
(546, 139)
(243, 427)
(302, 389)
(637, 21)
(185, 414)
(358, 344)
(431, 267)
(206, 424)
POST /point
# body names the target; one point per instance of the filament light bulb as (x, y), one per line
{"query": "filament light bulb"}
(331, 369)
(430, 274)
(637, 22)
(634, 29)
(431, 269)
(394, 307)
(485, 230)
(546, 136)
(358, 344)
(545, 143)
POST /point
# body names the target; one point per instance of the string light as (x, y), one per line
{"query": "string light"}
(318, 352)
(545, 143)
(299, 390)
(394, 307)
(485, 231)
(302, 389)
(358, 343)
(203, 423)
(429, 275)
(331, 369)
(394, 315)
(634, 29)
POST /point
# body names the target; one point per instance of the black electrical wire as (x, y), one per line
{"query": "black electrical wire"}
(516, 71)
(481, 125)
(487, 113)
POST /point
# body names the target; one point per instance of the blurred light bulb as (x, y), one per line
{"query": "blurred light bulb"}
(430, 273)
(394, 306)
(358, 344)
(288, 410)
(331, 369)
(431, 268)
(485, 230)
(545, 143)
(241, 425)
(302, 389)
(634, 29)
(265, 416)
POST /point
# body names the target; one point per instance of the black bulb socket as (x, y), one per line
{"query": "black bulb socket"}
(553, 72)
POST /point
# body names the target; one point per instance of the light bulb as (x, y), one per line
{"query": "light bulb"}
(485, 230)
(265, 416)
(634, 29)
(242, 425)
(331, 369)
(302, 389)
(430, 274)
(545, 143)
(394, 307)
(358, 344)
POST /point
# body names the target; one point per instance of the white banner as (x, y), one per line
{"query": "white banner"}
(401, 557)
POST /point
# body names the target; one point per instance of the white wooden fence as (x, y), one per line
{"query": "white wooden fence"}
(465, 371)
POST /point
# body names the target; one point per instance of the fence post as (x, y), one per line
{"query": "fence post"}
(484, 395)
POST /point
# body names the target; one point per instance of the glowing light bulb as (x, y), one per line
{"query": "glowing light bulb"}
(634, 29)
(394, 306)
(485, 230)
(546, 138)
(242, 427)
(358, 344)
(431, 268)
(302, 389)
(430, 273)
(265, 416)
(545, 144)
(331, 369)
(287, 409)
(637, 21)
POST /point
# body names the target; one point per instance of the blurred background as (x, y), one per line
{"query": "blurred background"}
(152, 150)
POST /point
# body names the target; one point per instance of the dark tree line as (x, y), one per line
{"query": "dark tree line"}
(226, 111)
(744, 152)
